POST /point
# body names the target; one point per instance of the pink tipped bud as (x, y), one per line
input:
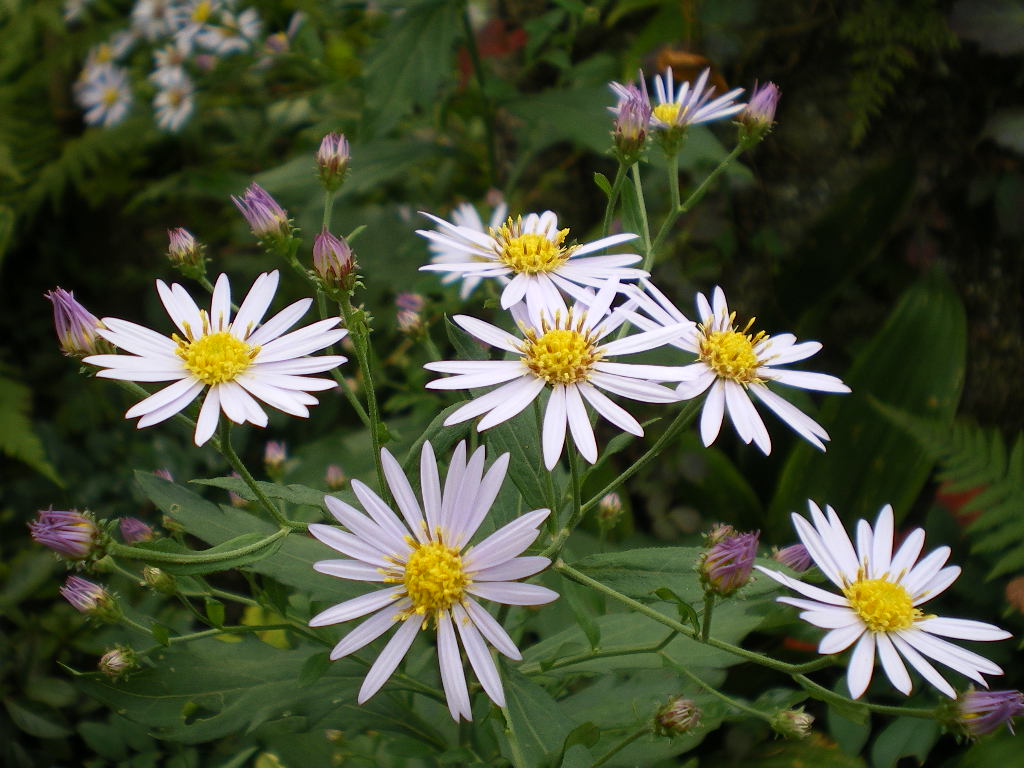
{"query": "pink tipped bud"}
(184, 253)
(76, 326)
(117, 662)
(757, 119)
(410, 307)
(266, 218)
(274, 455)
(678, 716)
(334, 477)
(71, 534)
(794, 556)
(90, 599)
(609, 511)
(133, 530)
(726, 566)
(792, 723)
(981, 712)
(333, 260)
(332, 160)
(632, 116)
(165, 474)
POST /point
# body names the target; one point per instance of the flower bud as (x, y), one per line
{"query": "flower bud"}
(159, 580)
(91, 599)
(981, 712)
(726, 565)
(134, 530)
(237, 500)
(274, 456)
(678, 716)
(410, 307)
(117, 662)
(609, 511)
(71, 534)
(794, 556)
(332, 160)
(267, 219)
(632, 115)
(757, 119)
(792, 723)
(184, 253)
(335, 477)
(165, 474)
(333, 260)
(76, 326)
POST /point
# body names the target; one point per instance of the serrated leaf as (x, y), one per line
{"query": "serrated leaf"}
(17, 438)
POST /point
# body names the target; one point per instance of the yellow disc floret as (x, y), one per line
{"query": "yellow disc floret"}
(667, 112)
(731, 354)
(110, 96)
(882, 605)
(434, 578)
(202, 12)
(560, 355)
(529, 252)
(216, 357)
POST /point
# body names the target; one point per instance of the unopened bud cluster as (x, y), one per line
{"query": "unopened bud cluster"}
(609, 511)
(91, 599)
(726, 565)
(409, 312)
(757, 119)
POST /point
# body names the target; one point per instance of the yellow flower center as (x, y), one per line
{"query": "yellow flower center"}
(110, 97)
(202, 12)
(667, 112)
(215, 358)
(530, 252)
(730, 354)
(882, 605)
(104, 53)
(560, 356)
(434, 578)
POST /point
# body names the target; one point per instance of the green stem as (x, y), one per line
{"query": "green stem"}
(709, 607)
(481, 81)
(715, 692)
(831, 697)
(200, 558)
(513, 741)
(204, 281)
(343, 383)
(562, 537)
(535, 667)
(328, 208)
(645, 234)
(613, 198)
(620, 746)
(674, 209)
(698, 193)
(228, 452)
(135, 625)
(681, 421)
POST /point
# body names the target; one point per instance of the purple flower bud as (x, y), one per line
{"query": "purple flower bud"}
(184, 252)
(91, 599)
(165, 474)
(678, 716)
(411, 302)
(332, 160)
(726, 566)
(71, 534)
(335, 477)
(133, 530)
(275, 454)
(632, 116)
(333, 260)
(410, 305)
(117, 662)
(76, 326)
(266, 218)
(757, 119)
(794, 556)
(981, 712)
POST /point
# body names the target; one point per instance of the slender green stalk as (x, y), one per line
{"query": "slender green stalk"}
(328, 209)
(620, 746)
(576, 516)
(709, 608)
(715, 692)
(645, 233)
(698, 193)
(200, 558)
(831, 697)
(613, 198)
(674, 209)
(228, 452)
(535, 667)
(481, 81)
(343, 383)
(513, 741)
(681, 421)
(135, 625)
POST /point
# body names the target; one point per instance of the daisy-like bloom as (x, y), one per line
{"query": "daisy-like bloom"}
(153, 19)
(192, 18)
(734, 364)
(877, 608)
(76, 326)
(174, 103)
(432, 573)
(565, 353)
(532, 255)
(464, 216)
(690, 104)
(234, 34)
(981, 712)
(105, 95)
(169, 63)
(71, 534)
(237, 360)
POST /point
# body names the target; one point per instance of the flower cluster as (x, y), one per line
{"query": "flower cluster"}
(185, 38)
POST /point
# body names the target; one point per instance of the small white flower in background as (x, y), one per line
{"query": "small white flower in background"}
(174, 102)
(238, 360)
(154, 19)
(878, 605)
(235, 33)
(466, 216)
(192, 18)
(566, 354)
(530, 253)
(104, 94)
(169, 63)
(733, 364)
(121, 43)
(75, 9)
(690, 104)
(434, 576)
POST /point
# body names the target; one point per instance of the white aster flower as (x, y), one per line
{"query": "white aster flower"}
(465, 216)
(238, 360)
(174, 102)
(154, 19)
(690, 104)
(191, 18)
(878, 608)
(234, 34)
(567, 355)
(433, 573)
(75, 9)
(733, 365)
(530, 253)
(105, 94)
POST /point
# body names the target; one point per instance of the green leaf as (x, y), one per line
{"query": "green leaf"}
(17, 438)
(243, 542)
(904, 737)
(870, 462)
(686, 611)
(214, 611)
(602, 181)
(36, 719)
(161, 634)
(851, 736)
(104, 739)
(441, 438)
(583, 613)
(293, 494)
(541, 728)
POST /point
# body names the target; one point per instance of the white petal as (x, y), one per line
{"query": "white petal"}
(479, 657)
(390, 657)
(490, 485)
(289, 402)
(894, 669)
(453, 677)
(499, 374)
(349, 569)
(430, 485)
(928, 672)
(922, 573)
(906, 555)
(513, 593)
(515, 290)
(808, 590)
(819, 551)
(403, 493)
(354, 608)
(791, 353)
(487, 333)
(634, 389)
(491, 629)
(388, 521)
(368, 631)
(712, 413)
(209, 415)
(937, 585)
(820, 382)
(493, 400)
(651, 372)
(829, 618)
(881, 552)
(166, 411)
(962, 629)
(796, 419)
(370, 532)
(862, 663)
(607, 242)
(312, 338)
(180, 389)
(350, 545)
(963, 661)
(452, 483)
(554, 426)
(506, 542)
(609, 410)
(840, 638)
(255, 304)
(524, 392)
(511, 570)
(279, 323)
(302, 365)
(220, 304)
(462, 508)
(579, 425)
